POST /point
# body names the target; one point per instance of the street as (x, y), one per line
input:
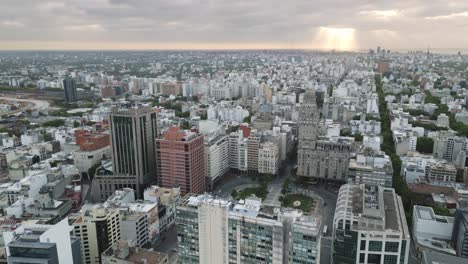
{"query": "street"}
(168, 244)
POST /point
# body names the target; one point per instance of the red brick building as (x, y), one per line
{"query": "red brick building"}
(89, 141)
(181, 160)
(383, 66)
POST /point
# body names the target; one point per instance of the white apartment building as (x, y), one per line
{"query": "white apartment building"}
(404, 141)
(98, 228)
(84, 160)
(365, 127)
(268, 158)
(238, 150)
(216, 158)
(432, 232)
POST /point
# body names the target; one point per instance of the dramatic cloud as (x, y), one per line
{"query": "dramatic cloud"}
(167, 24)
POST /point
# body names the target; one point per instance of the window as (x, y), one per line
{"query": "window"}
(390, 259)
(391, 246)
(375, 246)
(363, 245)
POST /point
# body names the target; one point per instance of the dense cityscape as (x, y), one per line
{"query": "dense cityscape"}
(284, 156)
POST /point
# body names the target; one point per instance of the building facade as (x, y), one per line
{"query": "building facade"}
(268, 158)
(308, 122)
(98, 228)
(216, 158)
(213, 230)
(369, 226)
(133, 132)
(181, 160)
(69, 87)
(460, 233)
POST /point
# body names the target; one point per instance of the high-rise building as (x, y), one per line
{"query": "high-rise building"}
(268, 158)
(69, 87)
(309, 117)
(460, 233)
(369, 226)
(328, 161)
(133, 130)
(450, 147)
(98, 228)
(180, 159)
(253, 144)
(216, 158)
(212, 230)
(38, 243)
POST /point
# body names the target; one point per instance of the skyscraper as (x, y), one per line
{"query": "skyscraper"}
(69, 87)
(309, 117)
(133, 129)
(181, 160)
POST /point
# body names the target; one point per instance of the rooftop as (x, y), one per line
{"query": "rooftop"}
(121, 250)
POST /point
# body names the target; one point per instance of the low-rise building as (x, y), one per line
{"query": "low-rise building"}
(121, 253)
(432, 232)
(371, 168)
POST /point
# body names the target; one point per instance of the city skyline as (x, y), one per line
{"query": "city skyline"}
(151, 25)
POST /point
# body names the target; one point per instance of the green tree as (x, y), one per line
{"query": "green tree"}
(76, 124)
(425, 145)
(247, 119)
(358, 137)
(54, 123)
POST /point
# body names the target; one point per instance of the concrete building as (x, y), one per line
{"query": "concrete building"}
(371, 168)
(69, 87)
(460, 233)
(268, 158)
(133, 130)
(181, 160)
(449, 147)
(216, 158)
(238, 151)
(98, 228)
(405, 141)
(430, 257)
(328, 161)
(37, 243)
(121, 253)
(212, 230)
(432, 232)
(443, 120)
(308, 126)
(253, 145)
(134, 228)
(441, 171)
(369, 226)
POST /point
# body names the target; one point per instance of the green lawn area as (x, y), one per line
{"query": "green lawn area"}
(306, 201)
(260, 192)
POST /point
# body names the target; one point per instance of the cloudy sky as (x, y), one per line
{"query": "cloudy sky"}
(233, 24)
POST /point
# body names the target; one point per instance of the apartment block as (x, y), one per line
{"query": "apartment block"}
(268, 158)
(98, 228)
(212, 230)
